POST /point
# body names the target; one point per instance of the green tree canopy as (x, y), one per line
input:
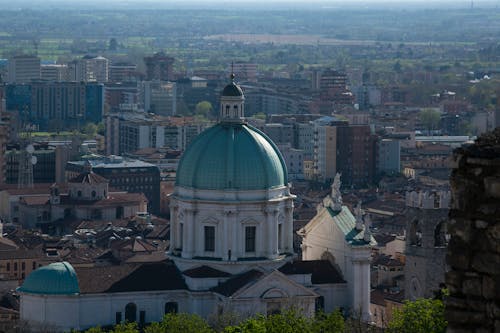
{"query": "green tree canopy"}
(430, 119)
(203, 109)
(180, 323)
(420, 316)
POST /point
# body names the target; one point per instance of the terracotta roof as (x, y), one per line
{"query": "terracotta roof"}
(156, 256)
(21, 254)
(38, 200)
(205, 272)
(377, 297)
(38, 188)
(237, 282)
(130, 277)
(384, 260)
(322, 271)
(88, 178)
(133, 245)
(383, 239)
(7, 245)
(112, 200)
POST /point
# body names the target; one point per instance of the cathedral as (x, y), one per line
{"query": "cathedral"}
(231, 245)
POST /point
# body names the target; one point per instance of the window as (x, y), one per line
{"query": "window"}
(171, 307)
(94, 194)
(23, 266)
(280, 236)
(79, 193)
(142, 317)
(209, 238)
(118, 318)
(250, 239)
(15, 266)
(33, 266)
(8, 267)
(130, 312)
(181, 234)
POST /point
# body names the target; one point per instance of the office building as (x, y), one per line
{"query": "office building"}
(159, 67)
(23, 69)
(56, 105)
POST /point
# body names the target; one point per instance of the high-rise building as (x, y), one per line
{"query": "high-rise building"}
(122, 72)
(343, 148)
(90, 69)
(55, 72)
(160, 97)
(128, 132)
(52, 105)
(159, 67)
(23, 69)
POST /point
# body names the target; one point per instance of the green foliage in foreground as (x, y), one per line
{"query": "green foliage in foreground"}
(420, 316)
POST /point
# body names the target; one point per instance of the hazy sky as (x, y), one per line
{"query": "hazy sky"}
(90, 4)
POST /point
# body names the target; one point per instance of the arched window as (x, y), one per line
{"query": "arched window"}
(94, 194)
(130, 312)
(440, 235)
(415, 234)
(119, 212)
(171, 307)
(79, 193)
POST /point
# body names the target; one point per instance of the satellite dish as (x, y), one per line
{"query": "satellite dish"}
(34, 160)
(30, 149)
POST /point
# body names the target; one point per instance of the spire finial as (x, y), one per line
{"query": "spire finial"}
(232, 71)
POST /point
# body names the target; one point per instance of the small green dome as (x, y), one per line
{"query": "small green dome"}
(55, 279)
(232, 156)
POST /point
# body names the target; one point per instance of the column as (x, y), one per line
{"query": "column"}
(226, 241)
(288, 239)
(361, 288)
(174, 226)
(188, 234)
(365, 308)
(272, 232)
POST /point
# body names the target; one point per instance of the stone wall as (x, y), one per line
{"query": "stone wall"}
(473, 254)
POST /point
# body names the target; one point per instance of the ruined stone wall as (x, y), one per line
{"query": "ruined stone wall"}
(473, 254)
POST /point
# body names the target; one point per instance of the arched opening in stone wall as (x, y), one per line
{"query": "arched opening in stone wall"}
(130, 312)
(171, 307)
(415, 235)
(441, 235)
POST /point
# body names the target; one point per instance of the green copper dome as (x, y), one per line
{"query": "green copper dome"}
(232, 156)
(55, 279)
(232, 90)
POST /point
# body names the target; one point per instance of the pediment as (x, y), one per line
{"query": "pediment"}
(274, 285)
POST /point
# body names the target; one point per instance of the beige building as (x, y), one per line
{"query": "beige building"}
(23, 69)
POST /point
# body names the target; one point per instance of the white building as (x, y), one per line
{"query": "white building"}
(90, 69)
(231, 245)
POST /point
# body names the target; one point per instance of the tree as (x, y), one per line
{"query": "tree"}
(328, 322)
(180, 323)
(90, 129)
(420, 316)
(430, 119)
(203, 109)
(122, 328)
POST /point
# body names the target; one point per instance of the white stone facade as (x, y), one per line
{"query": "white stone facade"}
(230, 213)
